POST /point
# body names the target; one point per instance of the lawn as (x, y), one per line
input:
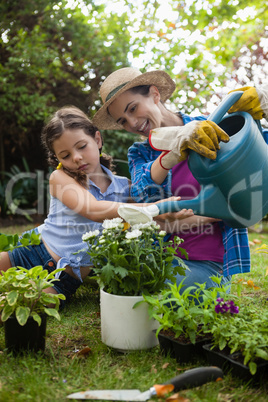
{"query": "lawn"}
(75, 358)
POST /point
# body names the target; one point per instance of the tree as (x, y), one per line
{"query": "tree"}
(201, 43)
(53, 54)
(50, 56)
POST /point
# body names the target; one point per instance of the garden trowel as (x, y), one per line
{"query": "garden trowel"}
(190, 378)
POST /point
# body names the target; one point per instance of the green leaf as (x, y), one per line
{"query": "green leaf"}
(222, 343)
(12, 297)
(252, 368)
(3, 242)
(37, 318)
(22, 314)
(263, 354)
(52, 312)
(7, 312)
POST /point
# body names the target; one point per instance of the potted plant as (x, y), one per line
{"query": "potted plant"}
(130, 261)
(239, 340)
(24, 306)
(185, 317)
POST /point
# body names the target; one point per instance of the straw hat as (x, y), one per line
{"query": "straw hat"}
(120, 81)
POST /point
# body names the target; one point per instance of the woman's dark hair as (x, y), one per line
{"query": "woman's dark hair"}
(141, 89)
(70, 118)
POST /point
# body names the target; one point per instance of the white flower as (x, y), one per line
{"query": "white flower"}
(134, 234)
(148, 225)
(112, 223)
(162, 233)
(89, 235)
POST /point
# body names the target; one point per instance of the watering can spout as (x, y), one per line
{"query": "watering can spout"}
(209, 202)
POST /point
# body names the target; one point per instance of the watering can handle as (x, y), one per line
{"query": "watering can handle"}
(224, 106)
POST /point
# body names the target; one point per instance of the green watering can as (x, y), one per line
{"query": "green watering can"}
(234, 186)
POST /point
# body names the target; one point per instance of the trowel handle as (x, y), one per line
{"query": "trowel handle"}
(196, 377)
(224, 106)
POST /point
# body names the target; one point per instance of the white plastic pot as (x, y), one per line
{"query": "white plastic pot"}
(123, 327)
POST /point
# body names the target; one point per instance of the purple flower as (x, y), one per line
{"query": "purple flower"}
(220, 300)
(218, 309)
(232, 307)
(226, 307)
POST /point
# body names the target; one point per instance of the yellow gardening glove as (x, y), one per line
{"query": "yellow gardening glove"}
(253, 100)
(202, 137)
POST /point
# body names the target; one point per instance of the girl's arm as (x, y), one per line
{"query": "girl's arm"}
(80, 200)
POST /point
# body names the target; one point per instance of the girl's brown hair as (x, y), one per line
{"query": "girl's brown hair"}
(71, 118)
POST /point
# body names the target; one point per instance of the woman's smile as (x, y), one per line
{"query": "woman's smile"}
(145, 128)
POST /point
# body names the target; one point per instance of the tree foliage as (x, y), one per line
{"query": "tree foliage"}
(54, 53)
(50, 56)
(204, 45)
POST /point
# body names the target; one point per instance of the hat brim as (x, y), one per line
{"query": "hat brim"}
(165, 85)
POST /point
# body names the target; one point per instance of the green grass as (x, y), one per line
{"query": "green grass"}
(61, 370)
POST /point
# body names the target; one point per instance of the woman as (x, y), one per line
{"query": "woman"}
(135, 102)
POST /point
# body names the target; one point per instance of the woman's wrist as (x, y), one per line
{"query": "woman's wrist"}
(158, 173)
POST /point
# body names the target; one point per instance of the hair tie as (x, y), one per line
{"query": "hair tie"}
(100, 155)
(59, 166)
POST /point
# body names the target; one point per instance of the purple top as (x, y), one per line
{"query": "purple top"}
(203, 242)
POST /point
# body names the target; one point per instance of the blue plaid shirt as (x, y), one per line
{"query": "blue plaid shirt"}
(141, 156)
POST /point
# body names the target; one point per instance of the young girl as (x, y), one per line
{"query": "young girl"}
(83, 193)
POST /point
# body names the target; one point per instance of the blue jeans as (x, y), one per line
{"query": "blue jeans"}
(31, 256)
(201, 272)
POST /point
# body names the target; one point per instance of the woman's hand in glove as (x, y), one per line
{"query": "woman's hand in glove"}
(202, 137)
(253, 100)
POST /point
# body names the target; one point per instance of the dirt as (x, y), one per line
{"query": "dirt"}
(182, 338)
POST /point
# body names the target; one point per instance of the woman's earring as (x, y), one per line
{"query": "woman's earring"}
(59, 166)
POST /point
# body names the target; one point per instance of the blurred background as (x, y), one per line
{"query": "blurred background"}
(57, 53)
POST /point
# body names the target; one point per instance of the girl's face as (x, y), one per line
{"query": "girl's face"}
(137, 113)
(78, 151)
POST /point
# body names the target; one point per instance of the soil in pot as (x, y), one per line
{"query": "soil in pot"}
(29, 337)
(180, 348)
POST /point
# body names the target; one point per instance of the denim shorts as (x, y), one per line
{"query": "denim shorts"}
(31, 256)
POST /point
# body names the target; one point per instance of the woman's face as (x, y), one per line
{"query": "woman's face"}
(137, 113)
